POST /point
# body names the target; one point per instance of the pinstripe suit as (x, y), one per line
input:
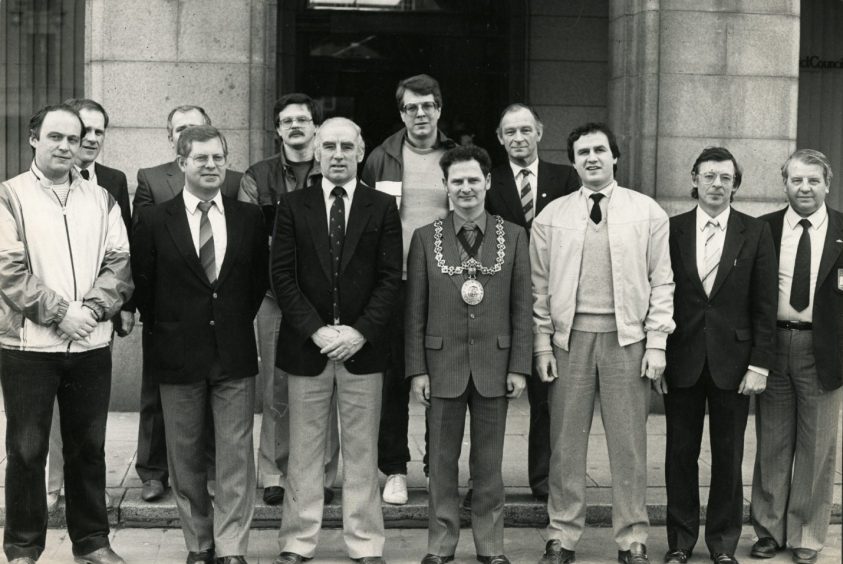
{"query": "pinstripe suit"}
(467, 352)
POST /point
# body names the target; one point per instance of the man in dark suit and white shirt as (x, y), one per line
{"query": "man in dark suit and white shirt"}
(797, 418)
(520, 189)
(724, 304)
(468, 345)
(200, 263)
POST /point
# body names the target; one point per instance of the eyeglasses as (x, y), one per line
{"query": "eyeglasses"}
(413, 109)
(203, 160)
(709, 177)
(287, 123)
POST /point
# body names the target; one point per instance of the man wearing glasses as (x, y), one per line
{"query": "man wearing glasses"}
(406, 166)
(293, 168)
(200, 265)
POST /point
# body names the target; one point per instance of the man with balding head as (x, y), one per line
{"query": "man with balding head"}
(336, 269)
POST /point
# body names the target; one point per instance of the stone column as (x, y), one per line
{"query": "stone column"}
(686, 74)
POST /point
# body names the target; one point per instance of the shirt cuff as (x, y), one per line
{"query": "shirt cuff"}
(763, 371)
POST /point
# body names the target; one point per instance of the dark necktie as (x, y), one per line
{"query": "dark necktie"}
(86, 174)
(336, 234)
(596, 214)
(800, 292)
(207, 255)
(470, 239)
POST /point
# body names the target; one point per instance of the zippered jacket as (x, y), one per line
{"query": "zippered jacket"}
(53, 254)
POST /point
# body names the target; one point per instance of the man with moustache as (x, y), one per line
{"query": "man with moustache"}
(603, 308)
(200, 264)
(406, 166)
(720, 354)
(520, 190)
(797, 417)
(64, 262)
(156, 185)
(335, 268)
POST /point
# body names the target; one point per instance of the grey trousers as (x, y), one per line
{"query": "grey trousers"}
(796, 424)
(596, 362)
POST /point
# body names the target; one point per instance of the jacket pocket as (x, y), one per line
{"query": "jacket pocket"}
(432, 342)
(743, 334)
(504, 341)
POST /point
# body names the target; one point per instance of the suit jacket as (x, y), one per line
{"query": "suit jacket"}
(165, 181)
(450, 340)
(504, 199)
(734, 326)
(827, 313)
(369, 279)
(191, 322)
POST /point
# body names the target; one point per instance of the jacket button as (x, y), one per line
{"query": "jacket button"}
(212, 323)
(471, 342)
(471, 315)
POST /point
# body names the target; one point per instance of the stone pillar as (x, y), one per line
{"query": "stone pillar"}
(688, 74)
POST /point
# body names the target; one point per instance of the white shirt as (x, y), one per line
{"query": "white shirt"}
(791, 232)
(719, 236)
(533, 167)
(327, 187)
(216, 215)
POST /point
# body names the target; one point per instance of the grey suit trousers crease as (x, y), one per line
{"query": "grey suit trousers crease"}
(488, 429)
(596, 362)
(358, 400)
(224, 522)
(796, 425)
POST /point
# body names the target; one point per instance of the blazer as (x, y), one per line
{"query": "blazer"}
(450, 340)
(191, 322)
(165, 181)
(369, 278)
(504, 199)
(733, 327)
(827, 313)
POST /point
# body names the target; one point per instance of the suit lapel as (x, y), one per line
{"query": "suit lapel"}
(175, 179)
(450, 247)
(317, 222)
(358, 218)
(731, 247)
(490, 246)
(504, 183)
(180, 232)
(234, 228)
(831, 248)
(776, 227)
(687, 242)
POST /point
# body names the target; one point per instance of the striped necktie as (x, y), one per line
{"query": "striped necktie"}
(206, 243)
(713, 250)
(527, 197)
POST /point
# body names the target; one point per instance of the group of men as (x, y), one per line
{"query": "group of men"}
(531, 275)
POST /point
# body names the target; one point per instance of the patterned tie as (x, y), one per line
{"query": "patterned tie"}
(527, 197)
(596, 213)
(470, 239)
(712, 255)
(86, 174)
(206, 243)
(336, 234)
(800, 291)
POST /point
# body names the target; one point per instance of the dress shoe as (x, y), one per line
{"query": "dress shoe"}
(152, 490)
(395, 489)
(273, 495)
(201, 557)
(804, 556)
(289, 558)
(436, 559)
(497, 559)
(677, 556)
(22, 560)
(102, 555)
(555, 553)
(637, 554)
(723, 558)
(231, 560)
(765, 547)
(329, 495)
(371, 560)
(466, 501)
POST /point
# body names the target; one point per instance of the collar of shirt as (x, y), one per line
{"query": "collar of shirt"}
(480, 222)
(585, 192)
(328, 186)
(191, 202)
(533, 167)
(92, 173)
(722, 219)
(817, 218)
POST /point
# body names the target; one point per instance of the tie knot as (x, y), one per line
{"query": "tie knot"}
(86, 174)
(469, 226)
(205, 206)
(597, 196)
(338, 192)
(525, 172)
(712, 224)
(805, 223)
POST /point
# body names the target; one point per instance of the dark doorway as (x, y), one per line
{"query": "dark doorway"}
(352, 58)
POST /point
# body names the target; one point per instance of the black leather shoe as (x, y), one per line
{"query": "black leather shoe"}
(804, 556)
(273, 495)
(497, 559)
(152, 490)
(289, 558)
(723, 558)
(466, 501)
(436, 559)
(232, 560)
(637, 554)
(329, 495)
(677, 556)
(765, 547)
(555, 553)
(201, 557)
(102, 555)
(371, 560)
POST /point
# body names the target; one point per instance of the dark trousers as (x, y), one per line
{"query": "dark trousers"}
(685, 415)
(538, 444)
(32, 383)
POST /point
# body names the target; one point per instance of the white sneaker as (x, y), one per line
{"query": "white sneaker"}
(395, 489)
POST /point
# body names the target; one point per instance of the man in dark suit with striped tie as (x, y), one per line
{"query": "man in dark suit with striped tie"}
(468, 344)
(520, 190)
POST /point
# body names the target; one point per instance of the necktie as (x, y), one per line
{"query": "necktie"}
(713, 250)
(206, 243)
(336, 234)
(470, 239)
(800, 292)
(527, 197)
(86, 174)
(596, 213)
